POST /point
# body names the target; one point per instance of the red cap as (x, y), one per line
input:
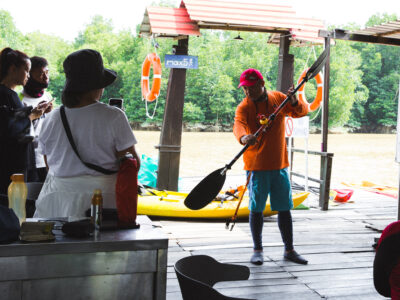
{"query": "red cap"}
(250, 77)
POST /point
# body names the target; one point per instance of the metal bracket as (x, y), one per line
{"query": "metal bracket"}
(168, 148)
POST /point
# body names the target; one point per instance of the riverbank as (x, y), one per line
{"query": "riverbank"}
(357, 157)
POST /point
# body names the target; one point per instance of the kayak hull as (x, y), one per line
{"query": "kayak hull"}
(170, 204)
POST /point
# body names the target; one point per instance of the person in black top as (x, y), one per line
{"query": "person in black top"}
(15, 118)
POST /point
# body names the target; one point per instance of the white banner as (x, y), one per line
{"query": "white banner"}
(297, 127)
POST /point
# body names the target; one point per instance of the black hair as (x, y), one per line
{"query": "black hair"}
(38, 62)
(71, 99)
(10, 57)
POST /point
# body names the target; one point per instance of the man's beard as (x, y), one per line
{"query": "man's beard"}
(263, 96)
(34, 88)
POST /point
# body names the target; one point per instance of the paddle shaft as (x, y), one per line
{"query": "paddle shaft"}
(264, 127)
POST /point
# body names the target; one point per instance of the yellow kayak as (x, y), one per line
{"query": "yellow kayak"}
(170, 204)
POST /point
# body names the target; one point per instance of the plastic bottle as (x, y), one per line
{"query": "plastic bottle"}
(97, 208)
(17, 192)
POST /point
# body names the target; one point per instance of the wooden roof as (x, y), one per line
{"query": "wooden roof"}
(224, 15)
(388, 30)
(385, 34)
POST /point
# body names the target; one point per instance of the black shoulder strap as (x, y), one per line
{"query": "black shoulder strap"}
(71, 141)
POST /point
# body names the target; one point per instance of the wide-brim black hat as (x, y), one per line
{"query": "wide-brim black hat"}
(84, 71)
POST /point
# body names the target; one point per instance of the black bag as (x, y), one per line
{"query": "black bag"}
(9, 225)
(79, 229)
(17, 123)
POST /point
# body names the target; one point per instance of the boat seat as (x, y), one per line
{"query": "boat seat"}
(197, 274)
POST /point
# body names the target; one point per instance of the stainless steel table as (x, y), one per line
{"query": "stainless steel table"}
(123, 264)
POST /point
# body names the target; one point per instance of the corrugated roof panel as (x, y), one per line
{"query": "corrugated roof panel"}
(166, 21)
(253, 16)
(224, 15)
(239, 6)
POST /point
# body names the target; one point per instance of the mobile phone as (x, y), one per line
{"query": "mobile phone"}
(47, 103)
(117, 102)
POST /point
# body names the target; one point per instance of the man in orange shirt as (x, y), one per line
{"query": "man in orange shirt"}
(267, 159)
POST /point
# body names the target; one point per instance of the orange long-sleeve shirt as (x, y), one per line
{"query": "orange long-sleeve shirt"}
(270, 152)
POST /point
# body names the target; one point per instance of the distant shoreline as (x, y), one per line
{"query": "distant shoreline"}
(144, 126)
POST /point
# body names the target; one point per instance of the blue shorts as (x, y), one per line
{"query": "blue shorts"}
(274, 183)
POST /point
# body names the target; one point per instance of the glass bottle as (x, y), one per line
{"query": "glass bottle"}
(97, 208)
(17, 192)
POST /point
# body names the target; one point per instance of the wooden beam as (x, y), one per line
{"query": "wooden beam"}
(239, 28)
(339, 34)
(171, 132)
(389, 32)
(285, 64)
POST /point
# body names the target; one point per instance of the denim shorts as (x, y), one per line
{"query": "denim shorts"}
(272, 183)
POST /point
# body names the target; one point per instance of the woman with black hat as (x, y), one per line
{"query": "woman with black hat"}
(101, 134)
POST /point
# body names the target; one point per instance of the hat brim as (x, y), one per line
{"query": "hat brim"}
(105, 79)
(109, 77)
(247, 83)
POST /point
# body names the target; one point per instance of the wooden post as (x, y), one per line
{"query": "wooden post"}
(326, 171)
(326, 162)
(325, 103)
(171, 132)
(285, 65)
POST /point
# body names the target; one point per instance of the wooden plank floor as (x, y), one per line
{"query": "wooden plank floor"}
(337, 243)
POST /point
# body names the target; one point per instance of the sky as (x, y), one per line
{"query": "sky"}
(65, 18)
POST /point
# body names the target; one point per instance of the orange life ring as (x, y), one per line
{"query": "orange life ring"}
(151, 59)
(318, 98)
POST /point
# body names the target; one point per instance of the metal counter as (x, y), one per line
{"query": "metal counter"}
(123, 264)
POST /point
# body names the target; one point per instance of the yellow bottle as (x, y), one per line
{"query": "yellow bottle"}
(17, 192)
(97, 208)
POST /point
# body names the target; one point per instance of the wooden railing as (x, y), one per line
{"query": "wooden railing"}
(325, 175)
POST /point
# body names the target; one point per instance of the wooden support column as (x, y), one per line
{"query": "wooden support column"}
(171, 132)
(285, 64)
(326, 164)
(325, 103)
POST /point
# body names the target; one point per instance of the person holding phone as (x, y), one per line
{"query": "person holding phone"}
(34, 94)
(15, 119)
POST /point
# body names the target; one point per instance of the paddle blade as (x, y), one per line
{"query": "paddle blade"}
(206, 190)
(317, 65)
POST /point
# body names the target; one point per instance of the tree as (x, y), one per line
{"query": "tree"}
(346, 85)
(55, 50)
(380, 65)
(10, 36)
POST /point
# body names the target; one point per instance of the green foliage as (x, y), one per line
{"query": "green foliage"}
(364, 78)
(380, 66)
(380, 19)
(345, 85)
(10, 36)
(192, 113)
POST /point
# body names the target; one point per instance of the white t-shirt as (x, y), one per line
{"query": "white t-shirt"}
(99, 131)
(36, 124)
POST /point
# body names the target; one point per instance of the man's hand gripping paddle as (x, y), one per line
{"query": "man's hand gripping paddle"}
(205, 191)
